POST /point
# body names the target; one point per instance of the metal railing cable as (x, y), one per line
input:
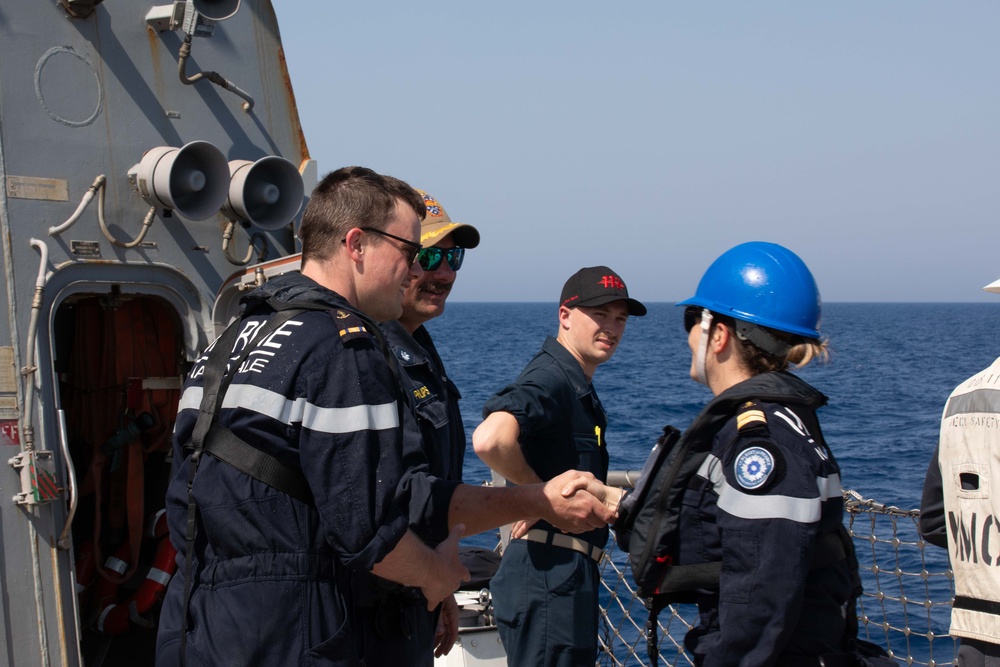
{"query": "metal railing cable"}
(905, 607)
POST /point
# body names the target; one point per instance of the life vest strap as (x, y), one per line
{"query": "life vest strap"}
(226, 446)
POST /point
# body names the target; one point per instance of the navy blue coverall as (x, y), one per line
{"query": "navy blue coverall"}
(270, 584)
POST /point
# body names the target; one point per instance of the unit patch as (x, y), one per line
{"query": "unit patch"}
(753, 467)
(433, 208)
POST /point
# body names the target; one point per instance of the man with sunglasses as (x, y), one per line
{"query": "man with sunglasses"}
(288, 451)
(437, 431)
(434, 395)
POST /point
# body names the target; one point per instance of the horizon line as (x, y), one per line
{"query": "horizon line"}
(674, 303)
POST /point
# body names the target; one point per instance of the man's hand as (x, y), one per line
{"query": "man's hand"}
(519, 528)
(579, 511)
(447, 628)
(611, 496)
(448, 573)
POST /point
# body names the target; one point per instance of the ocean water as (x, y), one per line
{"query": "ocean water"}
(891, 371)
(892, 368)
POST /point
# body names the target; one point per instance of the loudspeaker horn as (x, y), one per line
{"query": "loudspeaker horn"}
(267, 193)
(192, 180)
(217, 10)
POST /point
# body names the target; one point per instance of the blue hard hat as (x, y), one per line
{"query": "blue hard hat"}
(762, 283)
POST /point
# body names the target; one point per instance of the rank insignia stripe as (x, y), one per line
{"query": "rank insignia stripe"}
(750, 418)
(349, 326)
(352, 330)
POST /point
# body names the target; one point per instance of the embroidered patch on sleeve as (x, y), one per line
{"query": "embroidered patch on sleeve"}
(753, 467)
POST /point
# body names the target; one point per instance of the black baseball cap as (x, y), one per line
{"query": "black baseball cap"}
(595, 286)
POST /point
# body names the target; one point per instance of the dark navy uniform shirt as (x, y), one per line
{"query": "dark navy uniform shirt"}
(435, 399)
(767, 491)
(561, 419)
(434, 448)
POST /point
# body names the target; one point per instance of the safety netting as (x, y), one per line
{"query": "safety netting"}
(905, 607)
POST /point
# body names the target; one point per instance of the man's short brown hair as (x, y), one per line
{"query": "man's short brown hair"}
(347, 198)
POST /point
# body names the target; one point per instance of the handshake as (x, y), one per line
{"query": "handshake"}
(574, 502)
(580, 502)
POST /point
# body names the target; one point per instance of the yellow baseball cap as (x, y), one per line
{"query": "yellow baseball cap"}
(437, 225)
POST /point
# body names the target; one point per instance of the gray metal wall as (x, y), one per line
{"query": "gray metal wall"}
(81, 97)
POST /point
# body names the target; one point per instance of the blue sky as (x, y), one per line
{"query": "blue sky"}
(652, 136)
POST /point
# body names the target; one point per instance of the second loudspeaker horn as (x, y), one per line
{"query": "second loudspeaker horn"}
(267, 193)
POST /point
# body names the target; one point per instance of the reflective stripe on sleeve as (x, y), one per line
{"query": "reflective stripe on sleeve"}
(349, 420)
(327, 420)
(750, 506)
(190, 399)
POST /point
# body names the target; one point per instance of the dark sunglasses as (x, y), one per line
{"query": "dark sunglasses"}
(692, 316)
(413, 248)
(430, 258)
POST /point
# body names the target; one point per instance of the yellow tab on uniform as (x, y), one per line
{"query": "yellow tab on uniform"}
(750, 416)
(597, 432)
(350, 326)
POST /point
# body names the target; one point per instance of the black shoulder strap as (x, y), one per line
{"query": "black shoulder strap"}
(212, 386)
(228, 447)
(225, 445)
(218, 375)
